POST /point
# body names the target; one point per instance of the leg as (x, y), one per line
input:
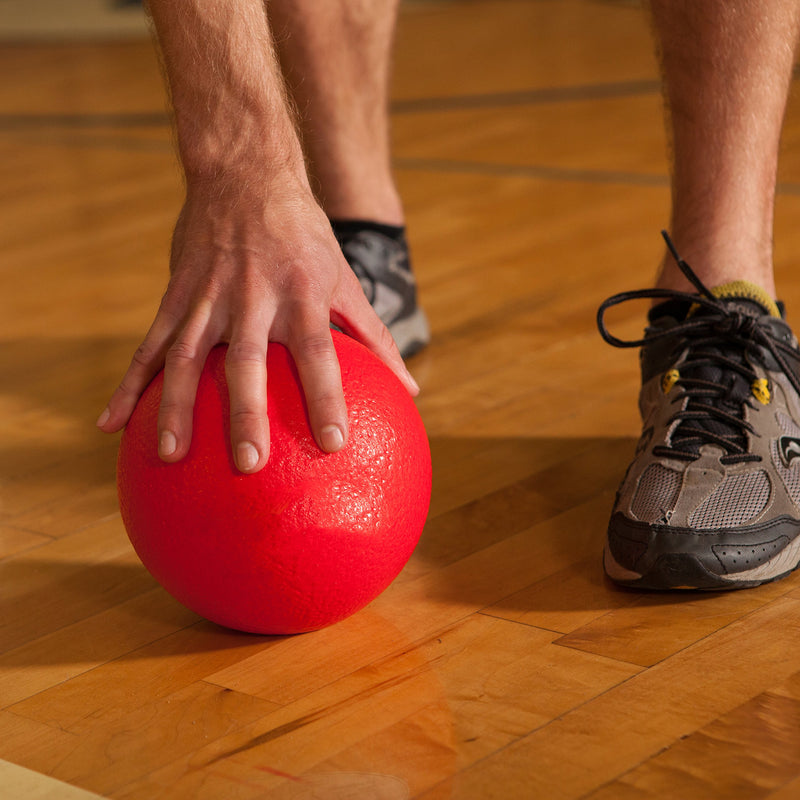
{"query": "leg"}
(727, 68)
(336, 58)
(712, 498)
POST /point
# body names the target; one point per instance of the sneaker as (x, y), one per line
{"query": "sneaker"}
(712, 498)
(381, 264)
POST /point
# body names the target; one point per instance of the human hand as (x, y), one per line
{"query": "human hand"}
(247, 268)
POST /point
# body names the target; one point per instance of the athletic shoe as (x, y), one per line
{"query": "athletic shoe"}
(712, 498)
(379, 257)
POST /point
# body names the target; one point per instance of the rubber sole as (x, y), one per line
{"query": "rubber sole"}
(661, 557)
(684, 572)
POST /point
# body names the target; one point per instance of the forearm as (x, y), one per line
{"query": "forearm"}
(231, 112)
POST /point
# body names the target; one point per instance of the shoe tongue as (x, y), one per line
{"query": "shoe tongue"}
(748, 298)
(751, 300)
(745, 297)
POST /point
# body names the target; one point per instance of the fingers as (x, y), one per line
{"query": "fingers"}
(246, 374)
(318, 368)
(383, 345)
(183, 364)
(183, 361)
(357, 318)
(146, 362)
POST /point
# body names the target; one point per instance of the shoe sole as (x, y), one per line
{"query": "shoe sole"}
(683, 572)
(670, 559)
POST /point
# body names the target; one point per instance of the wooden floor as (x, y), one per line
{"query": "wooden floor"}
(500, 664)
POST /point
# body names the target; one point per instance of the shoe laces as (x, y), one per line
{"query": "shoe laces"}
(716, 379)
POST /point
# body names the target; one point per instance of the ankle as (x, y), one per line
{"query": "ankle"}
(364, 207)
(716, 266)
(359, 194)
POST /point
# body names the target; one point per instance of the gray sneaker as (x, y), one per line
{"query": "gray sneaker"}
(381, 264)
(712, 498)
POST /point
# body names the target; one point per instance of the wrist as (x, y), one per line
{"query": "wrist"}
(236, 146)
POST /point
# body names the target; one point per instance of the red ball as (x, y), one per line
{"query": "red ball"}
(308, 540)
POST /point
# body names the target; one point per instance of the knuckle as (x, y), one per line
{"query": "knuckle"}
(127, 388)
(181, 352)
(245, 417)
(328, 399)
(307, 288)
(246, 352)
(144, 356)
(173, 407)
(315, 348)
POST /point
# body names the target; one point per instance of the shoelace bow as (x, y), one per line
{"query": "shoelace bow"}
(718, 337)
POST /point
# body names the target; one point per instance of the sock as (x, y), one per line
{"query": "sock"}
(347, 227)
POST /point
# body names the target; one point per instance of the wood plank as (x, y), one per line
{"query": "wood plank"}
(24, 784)
(787, 792)
(47, 502)
(13, 540)
(656, 627)
(68, 580)
(538, 478)
(525, 681)
(509, 45)
(753, 751)
(146, 672)
(548, 136)
(566, 600)
(616, 731)
(32, 744)
(62, 77)
(116, 752)
(56, 659)
(111, 755)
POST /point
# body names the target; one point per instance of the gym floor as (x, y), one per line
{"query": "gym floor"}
(500, 664)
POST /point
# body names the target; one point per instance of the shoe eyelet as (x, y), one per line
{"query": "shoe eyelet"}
(760, 390)
(670, 378)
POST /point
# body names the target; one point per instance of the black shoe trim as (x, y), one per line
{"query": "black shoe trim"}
(665, 557)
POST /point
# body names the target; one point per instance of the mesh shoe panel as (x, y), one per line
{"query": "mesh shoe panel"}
(656, 494)
(736, 501)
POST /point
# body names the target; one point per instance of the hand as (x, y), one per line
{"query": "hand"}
(247, 269)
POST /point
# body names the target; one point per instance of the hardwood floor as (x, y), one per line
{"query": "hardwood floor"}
(500, 664)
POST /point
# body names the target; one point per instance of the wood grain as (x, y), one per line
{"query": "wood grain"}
(24, 784)
(530, 153)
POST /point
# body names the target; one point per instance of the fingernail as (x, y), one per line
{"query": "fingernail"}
(168, 444)
(246, 456)
(331, 438)
(412, 381)
(103, 418)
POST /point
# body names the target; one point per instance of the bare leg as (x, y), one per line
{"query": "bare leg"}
(727, 67)
(336, 58)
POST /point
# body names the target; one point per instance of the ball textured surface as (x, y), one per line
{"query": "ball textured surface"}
(308, 540)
